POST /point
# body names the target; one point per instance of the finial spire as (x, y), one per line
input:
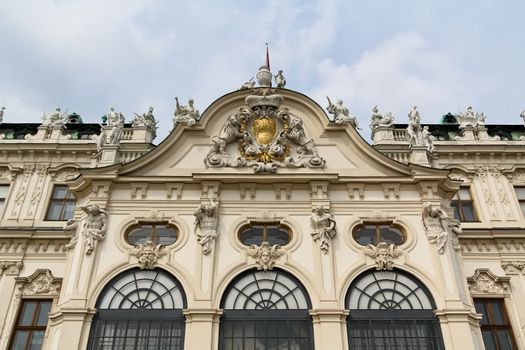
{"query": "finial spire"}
(267, 57)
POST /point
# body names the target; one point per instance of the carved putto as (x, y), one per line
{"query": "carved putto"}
(439, 227)
(265, 255)
(341, 113)
(384, 254)
(187, 115)
(148, 254)
(414, 127)
(265, 136)
(55, 118)
(323, 228)
(485, 282)
(207, 224)
(379, 120)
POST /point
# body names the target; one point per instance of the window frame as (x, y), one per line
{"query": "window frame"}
(377, 236)
(4, 200)
(493, 327)
(265, 225)
(520, 201)
(152, 235)
(64, 201)
(31, 328)
(459, 204)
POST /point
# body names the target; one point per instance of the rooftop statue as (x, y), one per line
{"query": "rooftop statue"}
(341, 113)
(187, 115)
(469, 118)
(414, 127)
(111, 133)
(378, 120)
(280, 80)
(522, 115)
(248, 85)
(145, 120)
(428, 139)
(2, 109)
(55, 118)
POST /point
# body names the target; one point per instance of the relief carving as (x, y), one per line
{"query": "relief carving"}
(22, 190)
(485, 282)
(266, 137)
(513, 267)
(207, 224)
(10, 267)
(93, 227)
(439, 227)
(148, 254)
(323, 228)
(41, 282)
(384, 254)
(265, 255)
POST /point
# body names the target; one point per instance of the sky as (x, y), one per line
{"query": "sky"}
(86, 56)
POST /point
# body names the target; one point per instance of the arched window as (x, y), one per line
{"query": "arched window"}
(139, 309)
(266, 310)
(391, 310)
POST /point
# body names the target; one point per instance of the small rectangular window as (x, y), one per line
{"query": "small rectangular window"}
(463, 205)
(30, 325)
(495, 324)
(62, 204)
(520, 193)
(4, 190)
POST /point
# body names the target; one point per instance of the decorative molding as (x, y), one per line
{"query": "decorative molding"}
(148, 254)
(391, 191)
(30, 246)
(495, 246)
(280, 188)
(265, 255)
(174, 191)
(319, 190)
(513, 267)
(22, 189)
(247, 188)
(356, 191)
(63, 175)
(37, 192)
(138, 191)
(41, 282)
(384, 255)
(10, 268)
(484, 282)
(324, 229)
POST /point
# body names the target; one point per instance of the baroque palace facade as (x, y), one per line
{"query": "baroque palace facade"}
(264, 223)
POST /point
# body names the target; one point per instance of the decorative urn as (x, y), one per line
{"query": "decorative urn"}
(264, 77)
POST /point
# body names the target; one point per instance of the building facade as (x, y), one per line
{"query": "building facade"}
(263, 223)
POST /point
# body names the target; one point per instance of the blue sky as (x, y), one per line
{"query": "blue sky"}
(88, 56)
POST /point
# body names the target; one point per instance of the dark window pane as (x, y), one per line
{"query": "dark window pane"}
(69, 211)
(366, 235)
(277, 235)
(489, 341)
(36, 340)
(504, 339)
(457, 212)
(391, 235)
(60, 192)
(253, 235)
(157, 233)
(520, 192)
(468, 210)
(43, 313)
(271, 233)
(464, 193)
(19, 343)
(28, 312)
(55, 209)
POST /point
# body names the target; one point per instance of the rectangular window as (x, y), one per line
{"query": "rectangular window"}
(495, 324)
(62, 204)
(464, 205)
(4, 189)
(520, 193)
(30, 325)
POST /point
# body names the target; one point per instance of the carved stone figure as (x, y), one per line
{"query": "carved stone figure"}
(55, 118)
(187, 115)
(207, 224)
(116, 121)
(341, 113)
(42, 282)
(428, 139)
(95, 226)
(265, 255)
(71, 228)
(323, 228)
(378, 120)
(148, 254)
(384, 255)
(522, 115)
(248, 85)
(469, 118)
(265, 137)
(2, 109)
(433, 221)
(280, 80)
(145, 120)
(414, 127)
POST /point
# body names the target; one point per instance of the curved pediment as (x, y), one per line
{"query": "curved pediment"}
(265, 132)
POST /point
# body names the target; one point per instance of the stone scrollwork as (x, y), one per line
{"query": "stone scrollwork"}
(41, 282)
(323, 228)
(485, 282)
(513, 267)
(10, 267)
(207, 224)
(265, 255)
(266, 137)
(148, 254)
(384, 254)
(439, 227)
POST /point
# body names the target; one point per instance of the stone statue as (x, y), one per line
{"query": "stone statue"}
(384, 254)
(433, 221)
(2, 109)
(280, 80)
(95, 226)
(323, 227)
(116, 121)
(414, 127)
(522, 115)
(146, 119)
(265, 255)
(296, 134)
(341, 113)
(428, 139)
(469, 118)
(207, 224)
(187, 115)
(248, 85)
(71, 228)
(378, 120)
(55, 118)
(229, 133)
